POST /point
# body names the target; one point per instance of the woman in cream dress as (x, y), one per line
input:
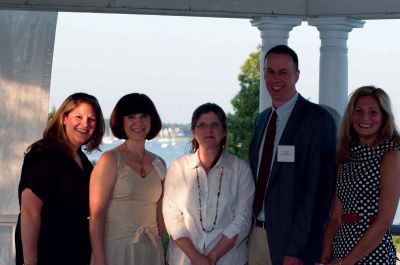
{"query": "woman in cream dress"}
(125, 190)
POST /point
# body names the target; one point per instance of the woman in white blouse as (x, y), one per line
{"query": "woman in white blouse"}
(208, 196)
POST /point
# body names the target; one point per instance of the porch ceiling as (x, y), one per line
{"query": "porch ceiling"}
(359, 9)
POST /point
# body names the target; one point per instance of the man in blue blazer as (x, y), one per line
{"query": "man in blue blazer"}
(297, 197)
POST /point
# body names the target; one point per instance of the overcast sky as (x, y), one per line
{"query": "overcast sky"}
(182, 62)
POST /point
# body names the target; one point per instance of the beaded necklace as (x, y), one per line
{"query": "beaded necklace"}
(218, 194)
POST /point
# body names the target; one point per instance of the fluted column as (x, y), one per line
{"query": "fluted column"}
(274, 31)
(333, 68)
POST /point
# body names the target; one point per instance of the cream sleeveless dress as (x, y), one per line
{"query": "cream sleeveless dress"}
(131, 232)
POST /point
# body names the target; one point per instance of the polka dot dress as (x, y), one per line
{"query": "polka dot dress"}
(358, 189)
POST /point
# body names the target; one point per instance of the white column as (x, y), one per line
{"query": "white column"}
(274, 31)
(26, 54)
(333, 68)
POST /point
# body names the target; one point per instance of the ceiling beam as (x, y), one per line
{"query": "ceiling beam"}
(358, 9)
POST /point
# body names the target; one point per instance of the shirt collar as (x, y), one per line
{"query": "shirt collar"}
(287, 107)
(194, 160)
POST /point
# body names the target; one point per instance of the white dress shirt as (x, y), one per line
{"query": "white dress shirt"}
(181, 206)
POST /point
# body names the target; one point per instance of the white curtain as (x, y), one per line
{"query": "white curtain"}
(26, 54)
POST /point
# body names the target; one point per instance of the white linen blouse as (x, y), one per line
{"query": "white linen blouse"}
(181, 206)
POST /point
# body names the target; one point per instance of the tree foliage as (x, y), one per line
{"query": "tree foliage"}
(245, 105)
(51, 114)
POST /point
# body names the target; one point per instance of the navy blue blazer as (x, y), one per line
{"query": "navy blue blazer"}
(299, 194)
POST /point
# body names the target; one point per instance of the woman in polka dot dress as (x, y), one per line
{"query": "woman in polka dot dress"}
(368, 183)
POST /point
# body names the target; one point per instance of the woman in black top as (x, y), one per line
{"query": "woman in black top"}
(53, 191)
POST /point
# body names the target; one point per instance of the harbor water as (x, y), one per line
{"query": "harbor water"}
(168, 149)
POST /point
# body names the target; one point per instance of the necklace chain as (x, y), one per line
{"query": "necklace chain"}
(216, 210)
(142, 172)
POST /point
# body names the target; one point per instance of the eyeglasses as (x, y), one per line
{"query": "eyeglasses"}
(212, 125)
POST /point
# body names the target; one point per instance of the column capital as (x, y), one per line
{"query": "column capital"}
(345, 24)
(276, 22)
(275, 29)
(334, 31)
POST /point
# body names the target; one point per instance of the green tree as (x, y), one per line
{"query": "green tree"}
(51, 114)
(396, 241)
(245, 105)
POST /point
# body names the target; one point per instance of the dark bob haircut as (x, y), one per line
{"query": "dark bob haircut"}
(132, 104)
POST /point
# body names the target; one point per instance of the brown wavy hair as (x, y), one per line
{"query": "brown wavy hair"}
(55, 131)
(347, 134)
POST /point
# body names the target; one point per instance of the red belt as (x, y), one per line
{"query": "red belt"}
(350, 218)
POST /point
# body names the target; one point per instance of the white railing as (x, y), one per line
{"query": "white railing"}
(7, 231)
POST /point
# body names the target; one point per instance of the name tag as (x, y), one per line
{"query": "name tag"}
(285, 153)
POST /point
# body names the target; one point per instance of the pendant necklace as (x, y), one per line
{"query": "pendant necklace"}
(142, 172)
